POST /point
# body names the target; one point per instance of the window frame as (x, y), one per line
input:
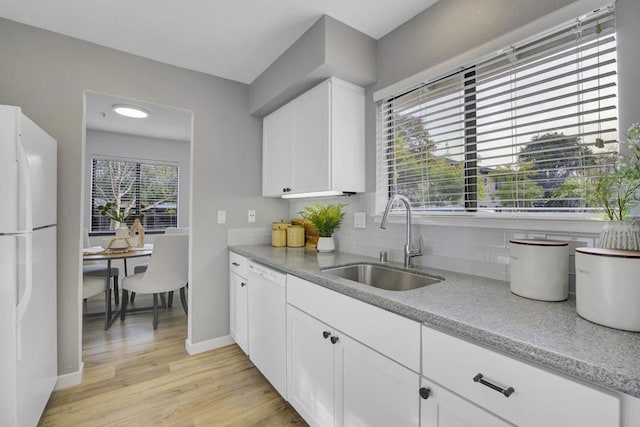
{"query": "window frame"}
(462, 217)
(94, 215)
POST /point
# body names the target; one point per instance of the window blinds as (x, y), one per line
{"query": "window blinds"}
(135, 188)
(528, 129)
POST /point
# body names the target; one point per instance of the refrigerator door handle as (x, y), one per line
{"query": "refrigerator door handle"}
(23, 304)
(24, 190)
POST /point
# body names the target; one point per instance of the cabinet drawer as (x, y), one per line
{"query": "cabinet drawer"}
(539, 397)
(238, 264)
(390, 334)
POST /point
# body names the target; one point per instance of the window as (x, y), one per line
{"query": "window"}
(135, 188)
(528, 129)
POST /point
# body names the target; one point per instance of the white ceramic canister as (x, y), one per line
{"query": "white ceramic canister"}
(539, 269)
(608, 287)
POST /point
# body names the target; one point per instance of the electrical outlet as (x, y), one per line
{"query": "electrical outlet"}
(251, 217)
(222, 217)
(360, 220)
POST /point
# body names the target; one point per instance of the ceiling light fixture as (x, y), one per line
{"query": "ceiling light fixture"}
(130, 111)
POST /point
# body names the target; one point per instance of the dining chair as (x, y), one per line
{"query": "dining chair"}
(141, 268)
(96, 269)
(167, 271)
(93, 285)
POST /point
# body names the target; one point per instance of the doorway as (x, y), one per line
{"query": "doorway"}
(142, 166)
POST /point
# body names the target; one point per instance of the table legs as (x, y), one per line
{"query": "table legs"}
(107, 298)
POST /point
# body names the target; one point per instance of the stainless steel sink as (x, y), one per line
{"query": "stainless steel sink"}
(383, 277)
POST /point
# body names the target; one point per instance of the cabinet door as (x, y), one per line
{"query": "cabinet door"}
(374, 390)
(444, 409)
(310, 373)
(239, 321)
(277, 151)
(312, 124)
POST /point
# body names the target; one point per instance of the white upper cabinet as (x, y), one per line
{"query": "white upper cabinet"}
(316, 142)
(277, 153)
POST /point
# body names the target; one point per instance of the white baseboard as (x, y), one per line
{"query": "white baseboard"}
(208, 345)
(70, 380)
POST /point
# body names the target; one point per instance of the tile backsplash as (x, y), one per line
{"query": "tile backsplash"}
(478, 251)
(248, 236)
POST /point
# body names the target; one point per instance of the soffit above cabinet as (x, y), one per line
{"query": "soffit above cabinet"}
(329, 48)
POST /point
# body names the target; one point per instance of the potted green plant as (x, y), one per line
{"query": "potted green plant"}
(617, 193)
(602, 274)
(118, 214)
(326, 219)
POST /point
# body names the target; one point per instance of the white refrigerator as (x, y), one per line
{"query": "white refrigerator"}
(28, 313)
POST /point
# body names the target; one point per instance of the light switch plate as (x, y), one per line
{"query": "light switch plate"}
(360, 219)
(251, 215)
(222, 217)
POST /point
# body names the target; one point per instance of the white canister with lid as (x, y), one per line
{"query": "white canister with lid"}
(539, 269)
(608, 288)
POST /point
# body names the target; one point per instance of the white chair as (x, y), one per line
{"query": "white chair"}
(167, 271)
(94, 285)
(95, 269)
(143, 267)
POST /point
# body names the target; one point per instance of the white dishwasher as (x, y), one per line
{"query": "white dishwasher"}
(267, 324)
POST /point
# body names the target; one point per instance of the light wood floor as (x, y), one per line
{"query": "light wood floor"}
(135, 376)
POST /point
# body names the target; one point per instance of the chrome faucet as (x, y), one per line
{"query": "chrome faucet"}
(409, 252)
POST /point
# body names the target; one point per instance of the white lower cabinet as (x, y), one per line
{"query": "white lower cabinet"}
(311, 368)
(238, 301)
(239, 325)
(351, 364)
(441, 408)
(373, 389)
(515, 391)
(334, 380)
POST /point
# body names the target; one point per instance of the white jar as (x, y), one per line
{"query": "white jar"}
(608, 287)
(539, 269)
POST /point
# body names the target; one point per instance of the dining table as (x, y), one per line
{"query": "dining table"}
(97, 253)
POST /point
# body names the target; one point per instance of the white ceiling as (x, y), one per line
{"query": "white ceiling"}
(235, 39)
(163, 122)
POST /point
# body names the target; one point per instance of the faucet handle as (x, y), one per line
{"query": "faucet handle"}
(418, 251)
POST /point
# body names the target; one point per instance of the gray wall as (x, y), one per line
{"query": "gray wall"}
(449, 28)
(46, 74)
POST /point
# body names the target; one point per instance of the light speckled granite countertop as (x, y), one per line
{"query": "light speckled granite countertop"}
(549, 334)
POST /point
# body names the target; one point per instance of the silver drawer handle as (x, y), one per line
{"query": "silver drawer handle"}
(507, 392)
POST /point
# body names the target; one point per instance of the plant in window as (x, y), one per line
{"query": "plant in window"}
(617, 192)
(118, 213)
